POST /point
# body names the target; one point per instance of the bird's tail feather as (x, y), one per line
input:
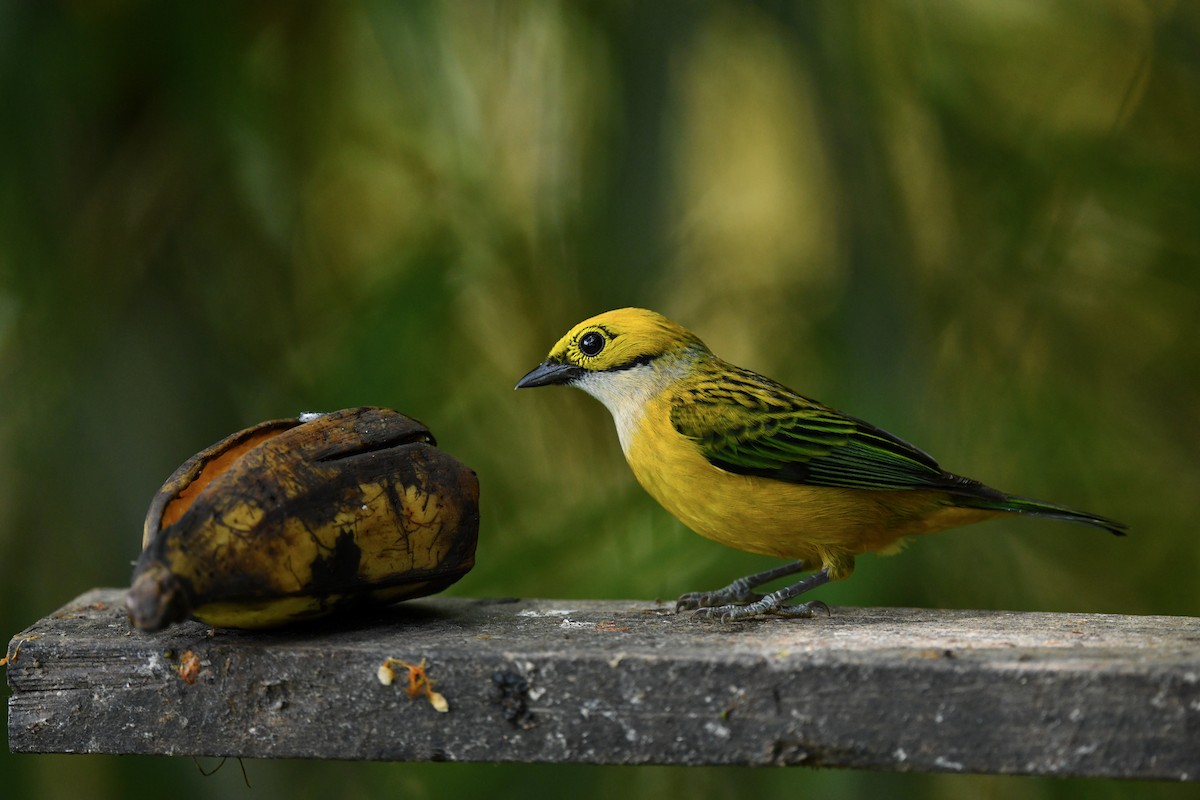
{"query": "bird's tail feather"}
(1037, 508)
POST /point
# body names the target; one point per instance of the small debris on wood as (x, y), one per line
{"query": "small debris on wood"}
(419, 682)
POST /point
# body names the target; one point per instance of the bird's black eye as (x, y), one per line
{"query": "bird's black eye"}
(591, 343)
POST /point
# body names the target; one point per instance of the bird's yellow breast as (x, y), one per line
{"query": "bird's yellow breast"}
(822, 526)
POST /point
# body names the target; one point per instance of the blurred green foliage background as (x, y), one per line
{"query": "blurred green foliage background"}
(974, 222)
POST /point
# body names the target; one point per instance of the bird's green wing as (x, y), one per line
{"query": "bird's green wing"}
(750, 425)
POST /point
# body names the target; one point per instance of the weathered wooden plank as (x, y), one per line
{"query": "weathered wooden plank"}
(628, 683)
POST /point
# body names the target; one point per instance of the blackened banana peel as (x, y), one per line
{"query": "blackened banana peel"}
(297, 518)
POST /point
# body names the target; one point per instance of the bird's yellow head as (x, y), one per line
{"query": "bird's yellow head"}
(612, 342)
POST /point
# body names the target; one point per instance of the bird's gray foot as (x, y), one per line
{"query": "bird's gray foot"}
(735, 594)
(775, 603)
(738, 593)
(733, 613)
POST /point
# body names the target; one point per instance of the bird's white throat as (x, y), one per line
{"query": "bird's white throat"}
(625, 392)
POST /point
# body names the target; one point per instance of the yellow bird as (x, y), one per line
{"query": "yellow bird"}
(749, 463)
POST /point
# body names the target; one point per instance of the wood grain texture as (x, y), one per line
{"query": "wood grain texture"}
(619, 682)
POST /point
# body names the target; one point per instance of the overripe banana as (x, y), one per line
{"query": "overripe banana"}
(296, 518)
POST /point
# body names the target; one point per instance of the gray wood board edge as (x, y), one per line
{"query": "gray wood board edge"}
(627, 682)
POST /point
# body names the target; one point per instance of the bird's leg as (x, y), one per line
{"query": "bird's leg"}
(774, 602)
(739, 592)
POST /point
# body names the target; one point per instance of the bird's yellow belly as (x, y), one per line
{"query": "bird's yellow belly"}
(823, 526)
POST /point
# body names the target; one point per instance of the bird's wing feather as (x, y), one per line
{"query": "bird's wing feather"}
(749, 424)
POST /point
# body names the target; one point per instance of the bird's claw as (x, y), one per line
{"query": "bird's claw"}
(721, 598)
(803, 610)
(732, 613)
(738, 593)
(720, 613)
(738, 600)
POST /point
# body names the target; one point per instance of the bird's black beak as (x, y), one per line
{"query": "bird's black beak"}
(549, 373)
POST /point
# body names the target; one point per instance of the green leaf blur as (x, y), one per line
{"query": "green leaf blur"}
(975, 223)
